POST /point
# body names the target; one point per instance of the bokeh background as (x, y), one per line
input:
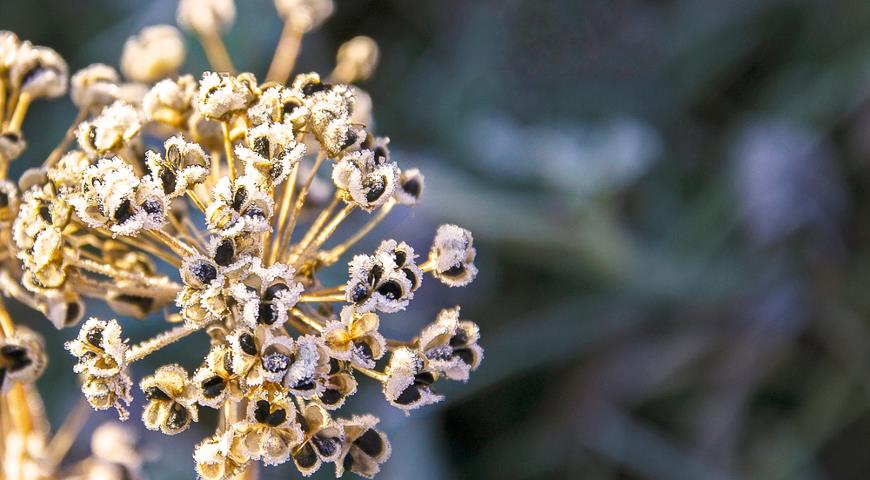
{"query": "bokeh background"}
(671, 204)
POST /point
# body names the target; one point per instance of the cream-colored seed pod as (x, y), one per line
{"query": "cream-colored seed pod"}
(206, 16)
(39, 72)
(356, 60)
(154, 53)
(94, 86)
(305, 14)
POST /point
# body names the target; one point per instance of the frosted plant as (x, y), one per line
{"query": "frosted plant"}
(219, 201)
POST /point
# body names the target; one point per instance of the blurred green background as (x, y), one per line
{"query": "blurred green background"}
(670, 203)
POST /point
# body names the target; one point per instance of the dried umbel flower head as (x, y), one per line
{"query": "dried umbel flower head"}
(153, 54)
(216, 205)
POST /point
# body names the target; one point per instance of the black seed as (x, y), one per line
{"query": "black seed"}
(261, 412)
(409, 395)
(266, 314)
(275, 362)
(334, 366)
(255, 212)
(204, 271)
(152, 207)
(239, 198)
(371, 443)
(261, 146)
(13, 351)
(2, 376)
(391, 290)
(178, 416)
(330, 396)
(155, 393)
(273, 291)
(424, 378)
(248, 344)
(167, 177)
(45, 213)
(412, 276)
(20, 364)
(212, 387)
(224, 253)
(348, 462)
(411, 186)
(303, 423)
(306, 457)
(375, 188)
(87, 356)
(364, 350)
(375, 274)
(465, 354)
(349, 138)
(277, 417)
(454, 271)
(72, 312)
(459, 339)
(95, 337)
(143, 303)
(228, 362)
(400, 257)
(326, 446)
(380, 154)
(304, 384)
(4, 199)
(290, 106)
(360, 293)
(92, 136)
(124, 212)
(314, 87)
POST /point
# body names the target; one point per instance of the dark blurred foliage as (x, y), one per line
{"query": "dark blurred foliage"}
(670, 202)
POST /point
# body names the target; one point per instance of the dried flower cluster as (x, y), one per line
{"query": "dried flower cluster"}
(218, 197)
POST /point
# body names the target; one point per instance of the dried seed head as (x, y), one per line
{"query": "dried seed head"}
(369, 180)
(409, 380)
(410, 187)
(221, 95)
(453, 255)
(116, 126)
(22, 358)
(206, 17)
(355, 338)
(365, 447)
(170, 101)
(221, 456)
(450, 345)
(39, 72)
(305, 14)
(356, 60)
(9, 45)
(12, 145)
(171, 400)
(156, 52)
(94, 87)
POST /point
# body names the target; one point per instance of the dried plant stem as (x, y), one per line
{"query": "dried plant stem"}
(68, 137)
(228, 150)
(329, 229)
(143, 349)
(427, 266)
(283, 211)
(379, 376)
(2, 100)
(19, 113)
(320, 298)
(196, 201)
(216, 52)
(10, 106)
(286, 52)
(66, 435)
(115, 273)
(300, 201)
(145, 246)
(180, 248)
(331, 256)
(310, 322)
(318, 223)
